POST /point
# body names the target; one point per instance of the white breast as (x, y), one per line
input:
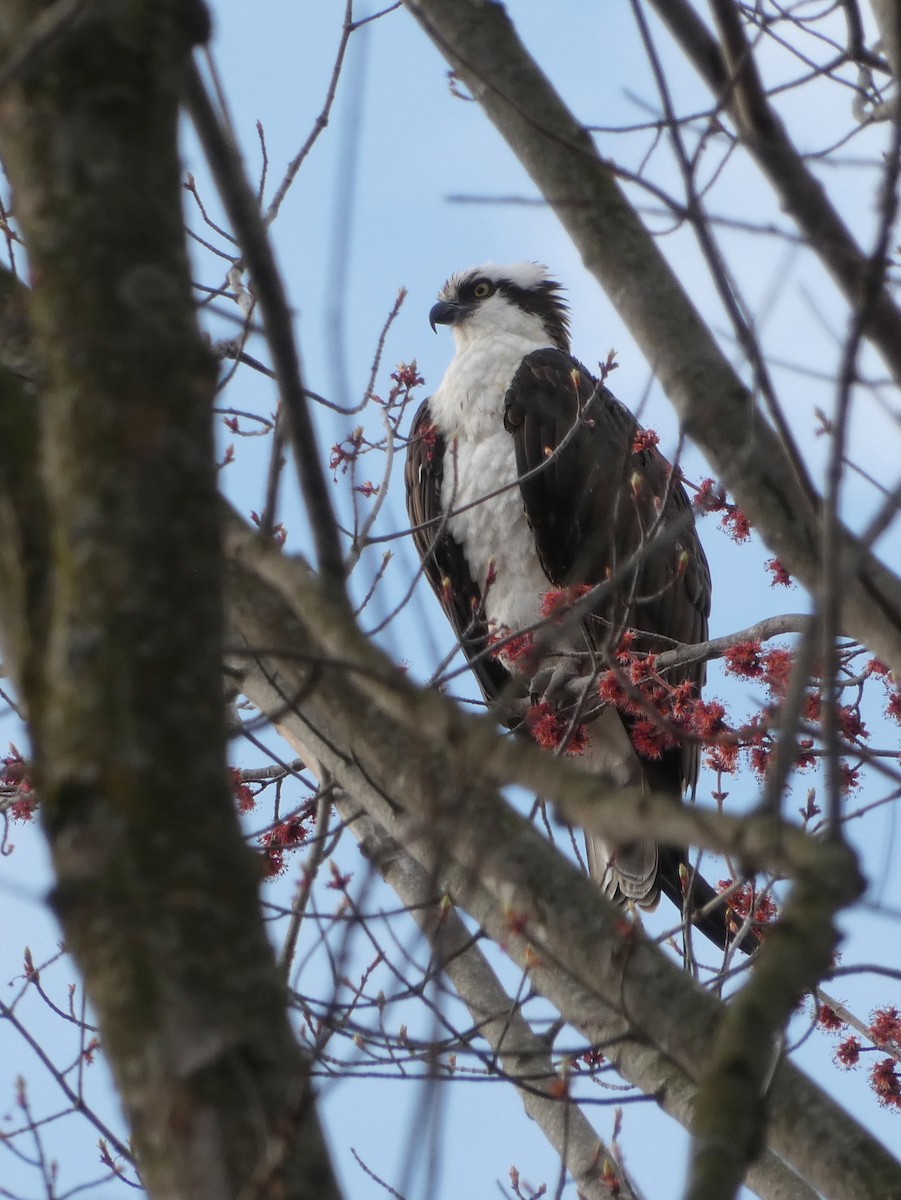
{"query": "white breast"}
(479, 460)
(468, 408)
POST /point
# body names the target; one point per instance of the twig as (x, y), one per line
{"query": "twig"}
(77, 1104)
(241, 205)
(310, 870)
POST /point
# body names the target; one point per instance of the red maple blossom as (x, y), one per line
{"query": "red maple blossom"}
(885, 1082)
(548, 727)
(780, 575)
(848, 1052)
(885, 1026)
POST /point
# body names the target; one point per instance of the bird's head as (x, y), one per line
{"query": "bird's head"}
(520, 299)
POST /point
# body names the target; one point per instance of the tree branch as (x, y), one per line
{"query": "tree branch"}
(423, 770)
(241, 205)
(523, 1056)
(730, 72)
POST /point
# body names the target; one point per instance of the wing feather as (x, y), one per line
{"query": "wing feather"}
(594, 495)
(443, 560)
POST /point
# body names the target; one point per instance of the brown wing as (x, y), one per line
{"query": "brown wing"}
(443, 560)
(602, 510)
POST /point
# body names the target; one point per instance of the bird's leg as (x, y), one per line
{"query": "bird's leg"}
(566, 681)
(553, 682)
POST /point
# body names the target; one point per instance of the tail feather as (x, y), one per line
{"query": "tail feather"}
(696, 895)
(639, 872)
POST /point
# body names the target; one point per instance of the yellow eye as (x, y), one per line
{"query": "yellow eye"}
(482, 289)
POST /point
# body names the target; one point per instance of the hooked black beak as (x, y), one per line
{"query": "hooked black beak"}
(446, 312)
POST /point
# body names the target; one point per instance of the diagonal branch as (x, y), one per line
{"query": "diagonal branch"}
(611, 811)
(523, 1056)
(424, 770)
(731, 74)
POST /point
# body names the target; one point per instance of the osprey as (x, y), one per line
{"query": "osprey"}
(527, 481)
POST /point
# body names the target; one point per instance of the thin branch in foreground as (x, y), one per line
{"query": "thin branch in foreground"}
(74, 1099)
(240, 203)
(522, 1054)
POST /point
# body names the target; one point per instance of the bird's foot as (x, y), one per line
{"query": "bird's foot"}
(563, 684)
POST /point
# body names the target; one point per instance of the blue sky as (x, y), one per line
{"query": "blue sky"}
(372, 211)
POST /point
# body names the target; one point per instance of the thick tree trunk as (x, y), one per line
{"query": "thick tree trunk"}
(114, 626)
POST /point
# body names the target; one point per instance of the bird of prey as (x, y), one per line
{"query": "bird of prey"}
(525, 476)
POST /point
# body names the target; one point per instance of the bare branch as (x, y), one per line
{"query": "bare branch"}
(388, 748)
(523, 1055)
(731, 74)
(250, 230)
